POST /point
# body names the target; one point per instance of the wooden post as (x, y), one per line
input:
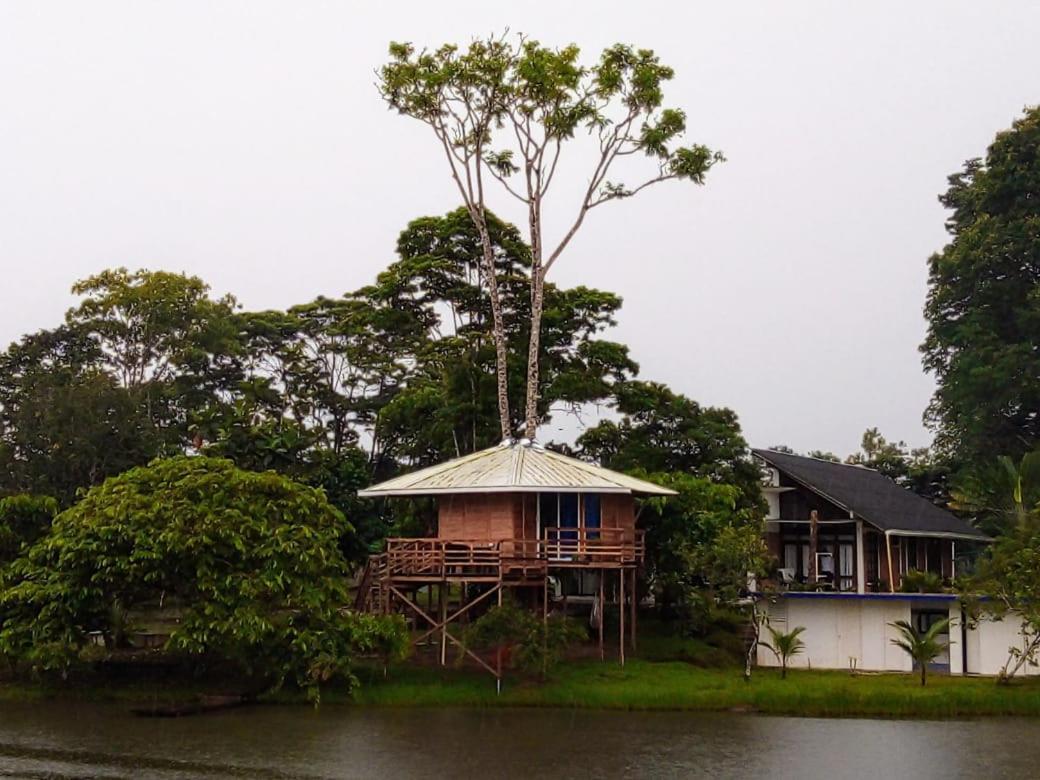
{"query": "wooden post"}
(814, 542)
(861, 573)
(621, 618)
(545, 600)
(633, 599)
(602, 577)
(545, 626)
(444, 628)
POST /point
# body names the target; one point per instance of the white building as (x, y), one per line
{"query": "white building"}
(845, 538)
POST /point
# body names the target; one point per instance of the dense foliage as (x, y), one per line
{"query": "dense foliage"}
(24, 519)
(249, 561)
(335, 393)
(702, 544)
(522, 639)
(1008, 573)
(983, 306)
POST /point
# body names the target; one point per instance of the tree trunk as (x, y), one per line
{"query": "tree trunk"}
(753, 645)
(533, 350)
(1027, 653)
(534, 341)
(498, 330)
(924, 673)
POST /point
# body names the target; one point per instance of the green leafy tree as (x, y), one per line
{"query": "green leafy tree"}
(923, 647)
(65, 423)
(663, 431)
(1004, 495)
(701, 546)
(24, 519)
(983, 305)
(250, 560)
(165, 341)
(785, 645)
(447, 404)
(505, 111)
(1006, 581)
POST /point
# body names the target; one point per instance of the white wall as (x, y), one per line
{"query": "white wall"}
(988, 644)
(839, 631)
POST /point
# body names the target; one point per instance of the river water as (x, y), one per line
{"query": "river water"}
(52, 740)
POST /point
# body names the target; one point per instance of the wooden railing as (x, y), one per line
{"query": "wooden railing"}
(572, 547)
(442, 558)
(593, 545)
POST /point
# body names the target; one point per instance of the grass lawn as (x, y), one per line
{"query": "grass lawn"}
(641, 685)
(646, 685)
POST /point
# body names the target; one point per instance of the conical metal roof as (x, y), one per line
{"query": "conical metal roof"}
(514, 467)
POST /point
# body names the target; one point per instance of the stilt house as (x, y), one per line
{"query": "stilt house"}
(515, 516)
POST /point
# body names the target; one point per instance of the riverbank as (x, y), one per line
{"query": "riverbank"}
(640, 685)
(644, 685)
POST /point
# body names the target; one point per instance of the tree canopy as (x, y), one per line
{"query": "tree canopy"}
(505, 110)
(250, 560)
(983, 305)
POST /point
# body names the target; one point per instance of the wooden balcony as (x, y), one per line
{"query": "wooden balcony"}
(425, 559)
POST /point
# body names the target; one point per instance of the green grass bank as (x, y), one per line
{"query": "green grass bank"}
(640, 685)
(645, 685)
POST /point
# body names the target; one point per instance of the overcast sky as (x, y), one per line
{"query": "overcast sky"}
(245, 143)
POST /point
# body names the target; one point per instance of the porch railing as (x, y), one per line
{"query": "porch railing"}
(575, 547)
(592, 545)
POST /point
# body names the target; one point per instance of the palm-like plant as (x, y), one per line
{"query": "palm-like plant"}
(922, 647)
(785, 645)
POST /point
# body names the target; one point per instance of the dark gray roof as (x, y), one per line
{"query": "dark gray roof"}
(871, 496)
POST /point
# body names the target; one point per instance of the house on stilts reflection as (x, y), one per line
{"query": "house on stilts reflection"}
(515, 517)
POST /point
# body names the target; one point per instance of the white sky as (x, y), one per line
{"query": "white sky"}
(245, 143)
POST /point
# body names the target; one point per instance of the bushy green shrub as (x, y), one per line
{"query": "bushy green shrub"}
(531, 644)
(915, 581)
(251, 561)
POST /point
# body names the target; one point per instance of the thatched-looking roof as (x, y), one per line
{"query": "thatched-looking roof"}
(514, 467)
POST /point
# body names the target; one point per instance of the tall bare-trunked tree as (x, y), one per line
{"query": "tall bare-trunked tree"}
(505, 109)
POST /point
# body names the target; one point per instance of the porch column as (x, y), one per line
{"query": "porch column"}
(891, 571)
(861, 569)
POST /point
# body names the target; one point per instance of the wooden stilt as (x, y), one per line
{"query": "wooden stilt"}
(621, 617)
(633, 604)
(545, 601)
(602, 577)
(545, 626)
(444, 626)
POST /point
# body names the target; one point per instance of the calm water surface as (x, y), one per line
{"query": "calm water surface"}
(61, 741)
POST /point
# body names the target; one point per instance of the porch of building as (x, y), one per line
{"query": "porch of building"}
(852, 556)
(442, 584)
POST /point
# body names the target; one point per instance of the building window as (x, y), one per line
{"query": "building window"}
(570, 512)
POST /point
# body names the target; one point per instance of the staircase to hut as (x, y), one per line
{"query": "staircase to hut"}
(371, 595)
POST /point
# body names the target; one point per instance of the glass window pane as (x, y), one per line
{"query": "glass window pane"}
(569, 510)
(591, 511)
(547, 507)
